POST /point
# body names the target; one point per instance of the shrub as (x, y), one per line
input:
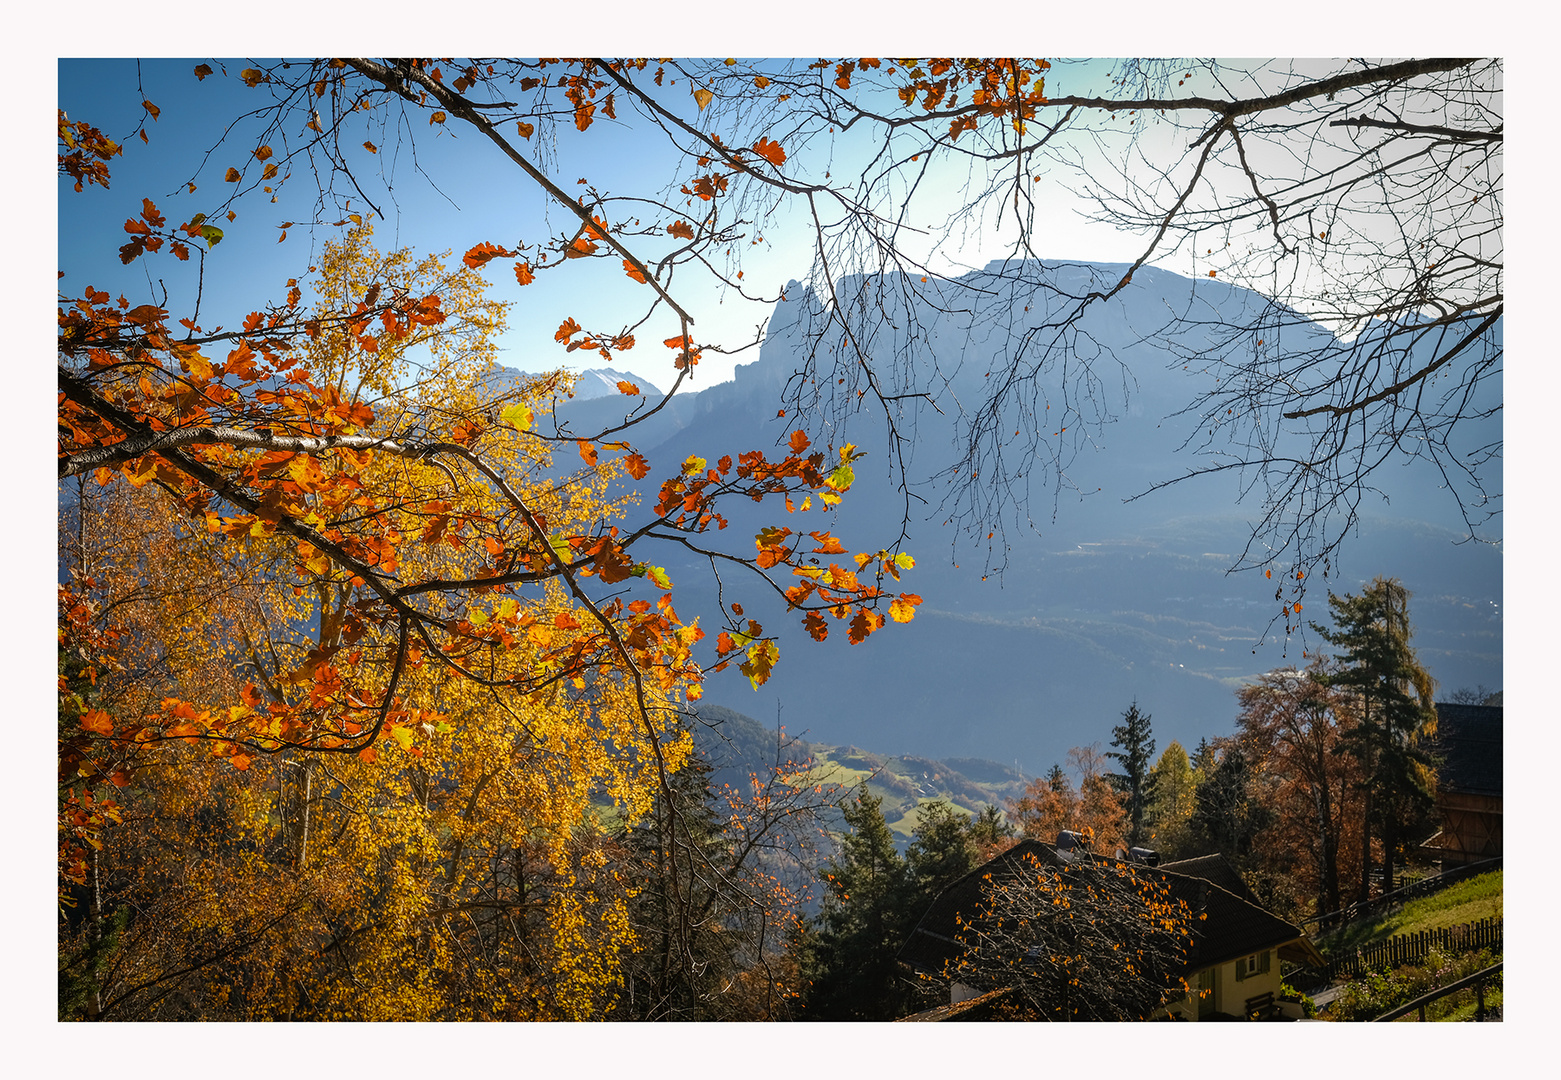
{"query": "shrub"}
(1290, 993)
(1376, 992)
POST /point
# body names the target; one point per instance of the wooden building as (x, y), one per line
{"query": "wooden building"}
(1469, 784)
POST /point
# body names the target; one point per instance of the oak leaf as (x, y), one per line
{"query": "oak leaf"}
(771, 151)
(484, 253)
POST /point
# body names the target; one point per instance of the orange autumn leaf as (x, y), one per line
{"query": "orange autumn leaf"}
(681, 230)
(523, 274)
(638, 467)
(827, 544)
(627, 388)
(770, 151)
(484, 253)
(587, 451)
(633, 271)
(903, 609)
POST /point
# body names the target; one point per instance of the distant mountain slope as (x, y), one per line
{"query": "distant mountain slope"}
(738, 746)
(1102, 601)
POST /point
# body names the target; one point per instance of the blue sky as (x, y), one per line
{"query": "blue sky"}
(456, 191)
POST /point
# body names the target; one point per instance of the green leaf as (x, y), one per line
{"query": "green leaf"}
(212, 235)
(517, 416)
(843, 477)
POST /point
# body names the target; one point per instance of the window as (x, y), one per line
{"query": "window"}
(1248, 966)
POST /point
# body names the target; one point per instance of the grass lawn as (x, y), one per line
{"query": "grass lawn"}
(1466, 902)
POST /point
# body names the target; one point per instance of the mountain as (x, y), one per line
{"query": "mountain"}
(1102, 601)
(738, 746)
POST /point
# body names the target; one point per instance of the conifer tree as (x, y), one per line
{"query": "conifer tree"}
(681, 951)
(941, 851)
(1396, 714)
(1227, 817)
(1136, 782)
(852, 970)
(990, 831)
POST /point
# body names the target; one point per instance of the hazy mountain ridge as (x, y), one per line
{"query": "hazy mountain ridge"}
(1109, 602)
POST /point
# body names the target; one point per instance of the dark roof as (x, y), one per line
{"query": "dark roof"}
(1217, 869)
(1468, 741)
(1002, 1004)
(1236, 925)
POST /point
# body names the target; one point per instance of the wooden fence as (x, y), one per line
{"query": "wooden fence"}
(1424, 887)
(1413, 948)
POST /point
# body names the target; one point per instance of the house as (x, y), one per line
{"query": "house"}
(1469, 784)
(1233, 961)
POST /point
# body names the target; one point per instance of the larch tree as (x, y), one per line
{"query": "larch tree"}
(1175, 788)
